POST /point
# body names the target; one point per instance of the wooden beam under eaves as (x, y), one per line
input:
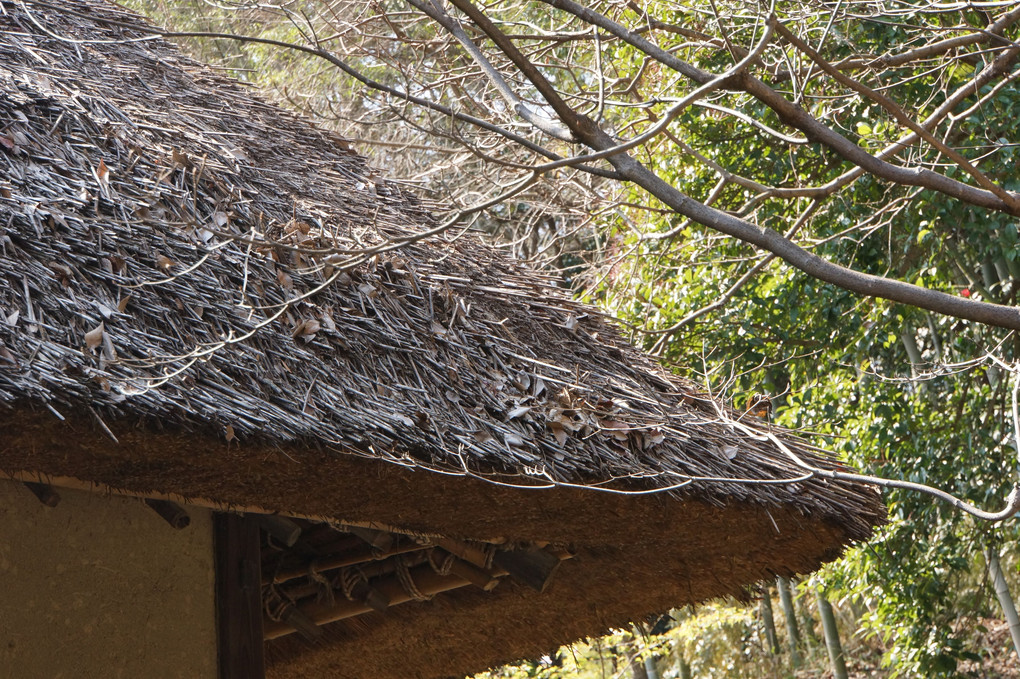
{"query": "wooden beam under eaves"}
(44, 493)
(239, 597)
(533, 567)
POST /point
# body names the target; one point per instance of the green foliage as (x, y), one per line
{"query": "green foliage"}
(721, 642)
(595, 659)
(839, 365)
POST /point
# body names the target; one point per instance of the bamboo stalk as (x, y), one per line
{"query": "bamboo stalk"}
(426, 580)
(300, 622)
(832, 643)
(361, 591)
(479, 577)
(378, 539)
(1002, 593)
(372, 597)
(769, 621)
(683, 666)
(387, 566)
(467, 552)
(533, 567)
(786, 602)
(809, 639)
(362, 554)
(561, 553)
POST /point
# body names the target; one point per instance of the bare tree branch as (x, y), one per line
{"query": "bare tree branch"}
(797, 117)
(901, 116)
(541, 122)
(606, 145)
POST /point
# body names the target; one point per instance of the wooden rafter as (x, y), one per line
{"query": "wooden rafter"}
(374, 570)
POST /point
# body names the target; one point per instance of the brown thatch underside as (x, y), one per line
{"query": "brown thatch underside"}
(683, 554)
(633, 555)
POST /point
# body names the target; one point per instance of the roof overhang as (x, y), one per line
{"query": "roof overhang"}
(632, 554)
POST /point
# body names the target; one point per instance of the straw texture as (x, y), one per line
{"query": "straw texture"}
(173, 247)
(205, 298)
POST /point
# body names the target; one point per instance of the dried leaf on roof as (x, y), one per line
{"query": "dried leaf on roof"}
(225, 228)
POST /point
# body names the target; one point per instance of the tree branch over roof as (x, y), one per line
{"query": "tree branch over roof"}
(627, 167)
(862, 283)
(738, 78)
(797, 117)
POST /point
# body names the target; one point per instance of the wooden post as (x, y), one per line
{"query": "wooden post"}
(239, 597)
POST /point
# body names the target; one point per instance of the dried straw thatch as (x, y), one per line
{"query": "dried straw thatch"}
(207, 280)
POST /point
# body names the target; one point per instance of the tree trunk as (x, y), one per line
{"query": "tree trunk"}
(769, 621)
(1005, 598)
(786, 601)
(832, 643)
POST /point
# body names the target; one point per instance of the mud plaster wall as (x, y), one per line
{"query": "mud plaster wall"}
(101, 586)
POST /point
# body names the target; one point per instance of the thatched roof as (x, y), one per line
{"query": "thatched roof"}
(196, 304)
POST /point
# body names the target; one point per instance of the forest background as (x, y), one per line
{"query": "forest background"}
(848, 245)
